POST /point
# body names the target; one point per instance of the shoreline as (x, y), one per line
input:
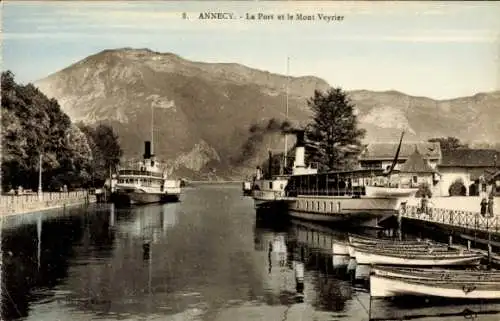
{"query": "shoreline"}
(18, 205)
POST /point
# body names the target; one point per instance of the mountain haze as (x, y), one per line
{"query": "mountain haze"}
(203, 111)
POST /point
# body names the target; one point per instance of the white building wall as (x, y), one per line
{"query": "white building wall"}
(450, 175)
(386, 163)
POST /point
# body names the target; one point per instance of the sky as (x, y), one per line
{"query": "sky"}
(436, 49)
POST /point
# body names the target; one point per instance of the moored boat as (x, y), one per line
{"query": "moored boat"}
(372, 240)
(353, 195)
(388, 286)
(146, 183)
(418, 248)
(415, 258)
(437, 273)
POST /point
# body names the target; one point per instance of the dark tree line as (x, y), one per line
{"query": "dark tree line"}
(34, 125)
(448, 143)
(106, 151)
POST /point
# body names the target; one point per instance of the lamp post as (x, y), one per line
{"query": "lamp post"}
(40, 176)
(286, 113)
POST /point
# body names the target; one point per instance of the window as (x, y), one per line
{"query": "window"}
(270, 185)
(415, 179)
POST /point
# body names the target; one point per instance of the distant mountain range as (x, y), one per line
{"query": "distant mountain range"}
(203, 112)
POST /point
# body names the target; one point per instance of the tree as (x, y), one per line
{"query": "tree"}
(448, 143)
(34, 125)
(457, 188)
(334, 136)
(424, 190)
(105, 148)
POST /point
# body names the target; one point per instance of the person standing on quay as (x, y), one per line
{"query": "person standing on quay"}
(490, 205)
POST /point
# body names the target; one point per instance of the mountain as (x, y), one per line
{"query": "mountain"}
(213, 119)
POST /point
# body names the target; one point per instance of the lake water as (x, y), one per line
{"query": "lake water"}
(208, 257)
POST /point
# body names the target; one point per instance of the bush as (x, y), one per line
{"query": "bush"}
(424, 190)
(457, 188)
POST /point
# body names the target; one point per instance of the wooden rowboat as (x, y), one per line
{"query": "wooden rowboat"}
(419, 258)
(421, 248)
(408, 249)
(372, 240)
(416, 247)
(437, 274)
(388, 286)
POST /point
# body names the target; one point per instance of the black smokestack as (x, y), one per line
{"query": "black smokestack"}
(270, 165)
(300, 138)
(147, 150)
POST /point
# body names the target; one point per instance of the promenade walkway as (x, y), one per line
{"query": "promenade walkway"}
(454, 213)
(18, 204)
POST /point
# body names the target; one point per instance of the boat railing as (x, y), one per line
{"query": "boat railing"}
(139, 173)
(456, 218)
(356, 192)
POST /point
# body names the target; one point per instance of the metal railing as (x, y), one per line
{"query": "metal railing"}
(457, 218)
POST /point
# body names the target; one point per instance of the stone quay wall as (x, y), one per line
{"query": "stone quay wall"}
(18, 204)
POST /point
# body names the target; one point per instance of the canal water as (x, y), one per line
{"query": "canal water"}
(208, 257)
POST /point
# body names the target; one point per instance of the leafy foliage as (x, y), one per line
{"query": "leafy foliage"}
(105, 148)
(457, 188)
(424, 190)
(34, 125)
(334, 132)
(448, 143)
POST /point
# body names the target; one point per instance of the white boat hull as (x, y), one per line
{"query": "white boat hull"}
(439, 274)
(352, 252)
(340, 208)
(138, 196)
(381, 286)
(340, 248)
(363, 257)
(378, 191)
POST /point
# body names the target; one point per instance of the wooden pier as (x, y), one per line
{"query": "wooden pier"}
(452, 218)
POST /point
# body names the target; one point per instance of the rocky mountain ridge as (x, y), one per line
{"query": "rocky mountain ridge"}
(203, 112)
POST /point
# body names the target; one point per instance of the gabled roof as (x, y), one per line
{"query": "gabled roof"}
(416, 164)
(468, 157)
(387, 151)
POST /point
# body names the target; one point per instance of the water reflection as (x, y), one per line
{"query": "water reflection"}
(207, 258)
(414, 308)
(306, 271)
(128, 276)
(35, 256)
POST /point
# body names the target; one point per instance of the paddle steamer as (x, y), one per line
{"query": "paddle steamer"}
(342, 195)
(145, 183)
